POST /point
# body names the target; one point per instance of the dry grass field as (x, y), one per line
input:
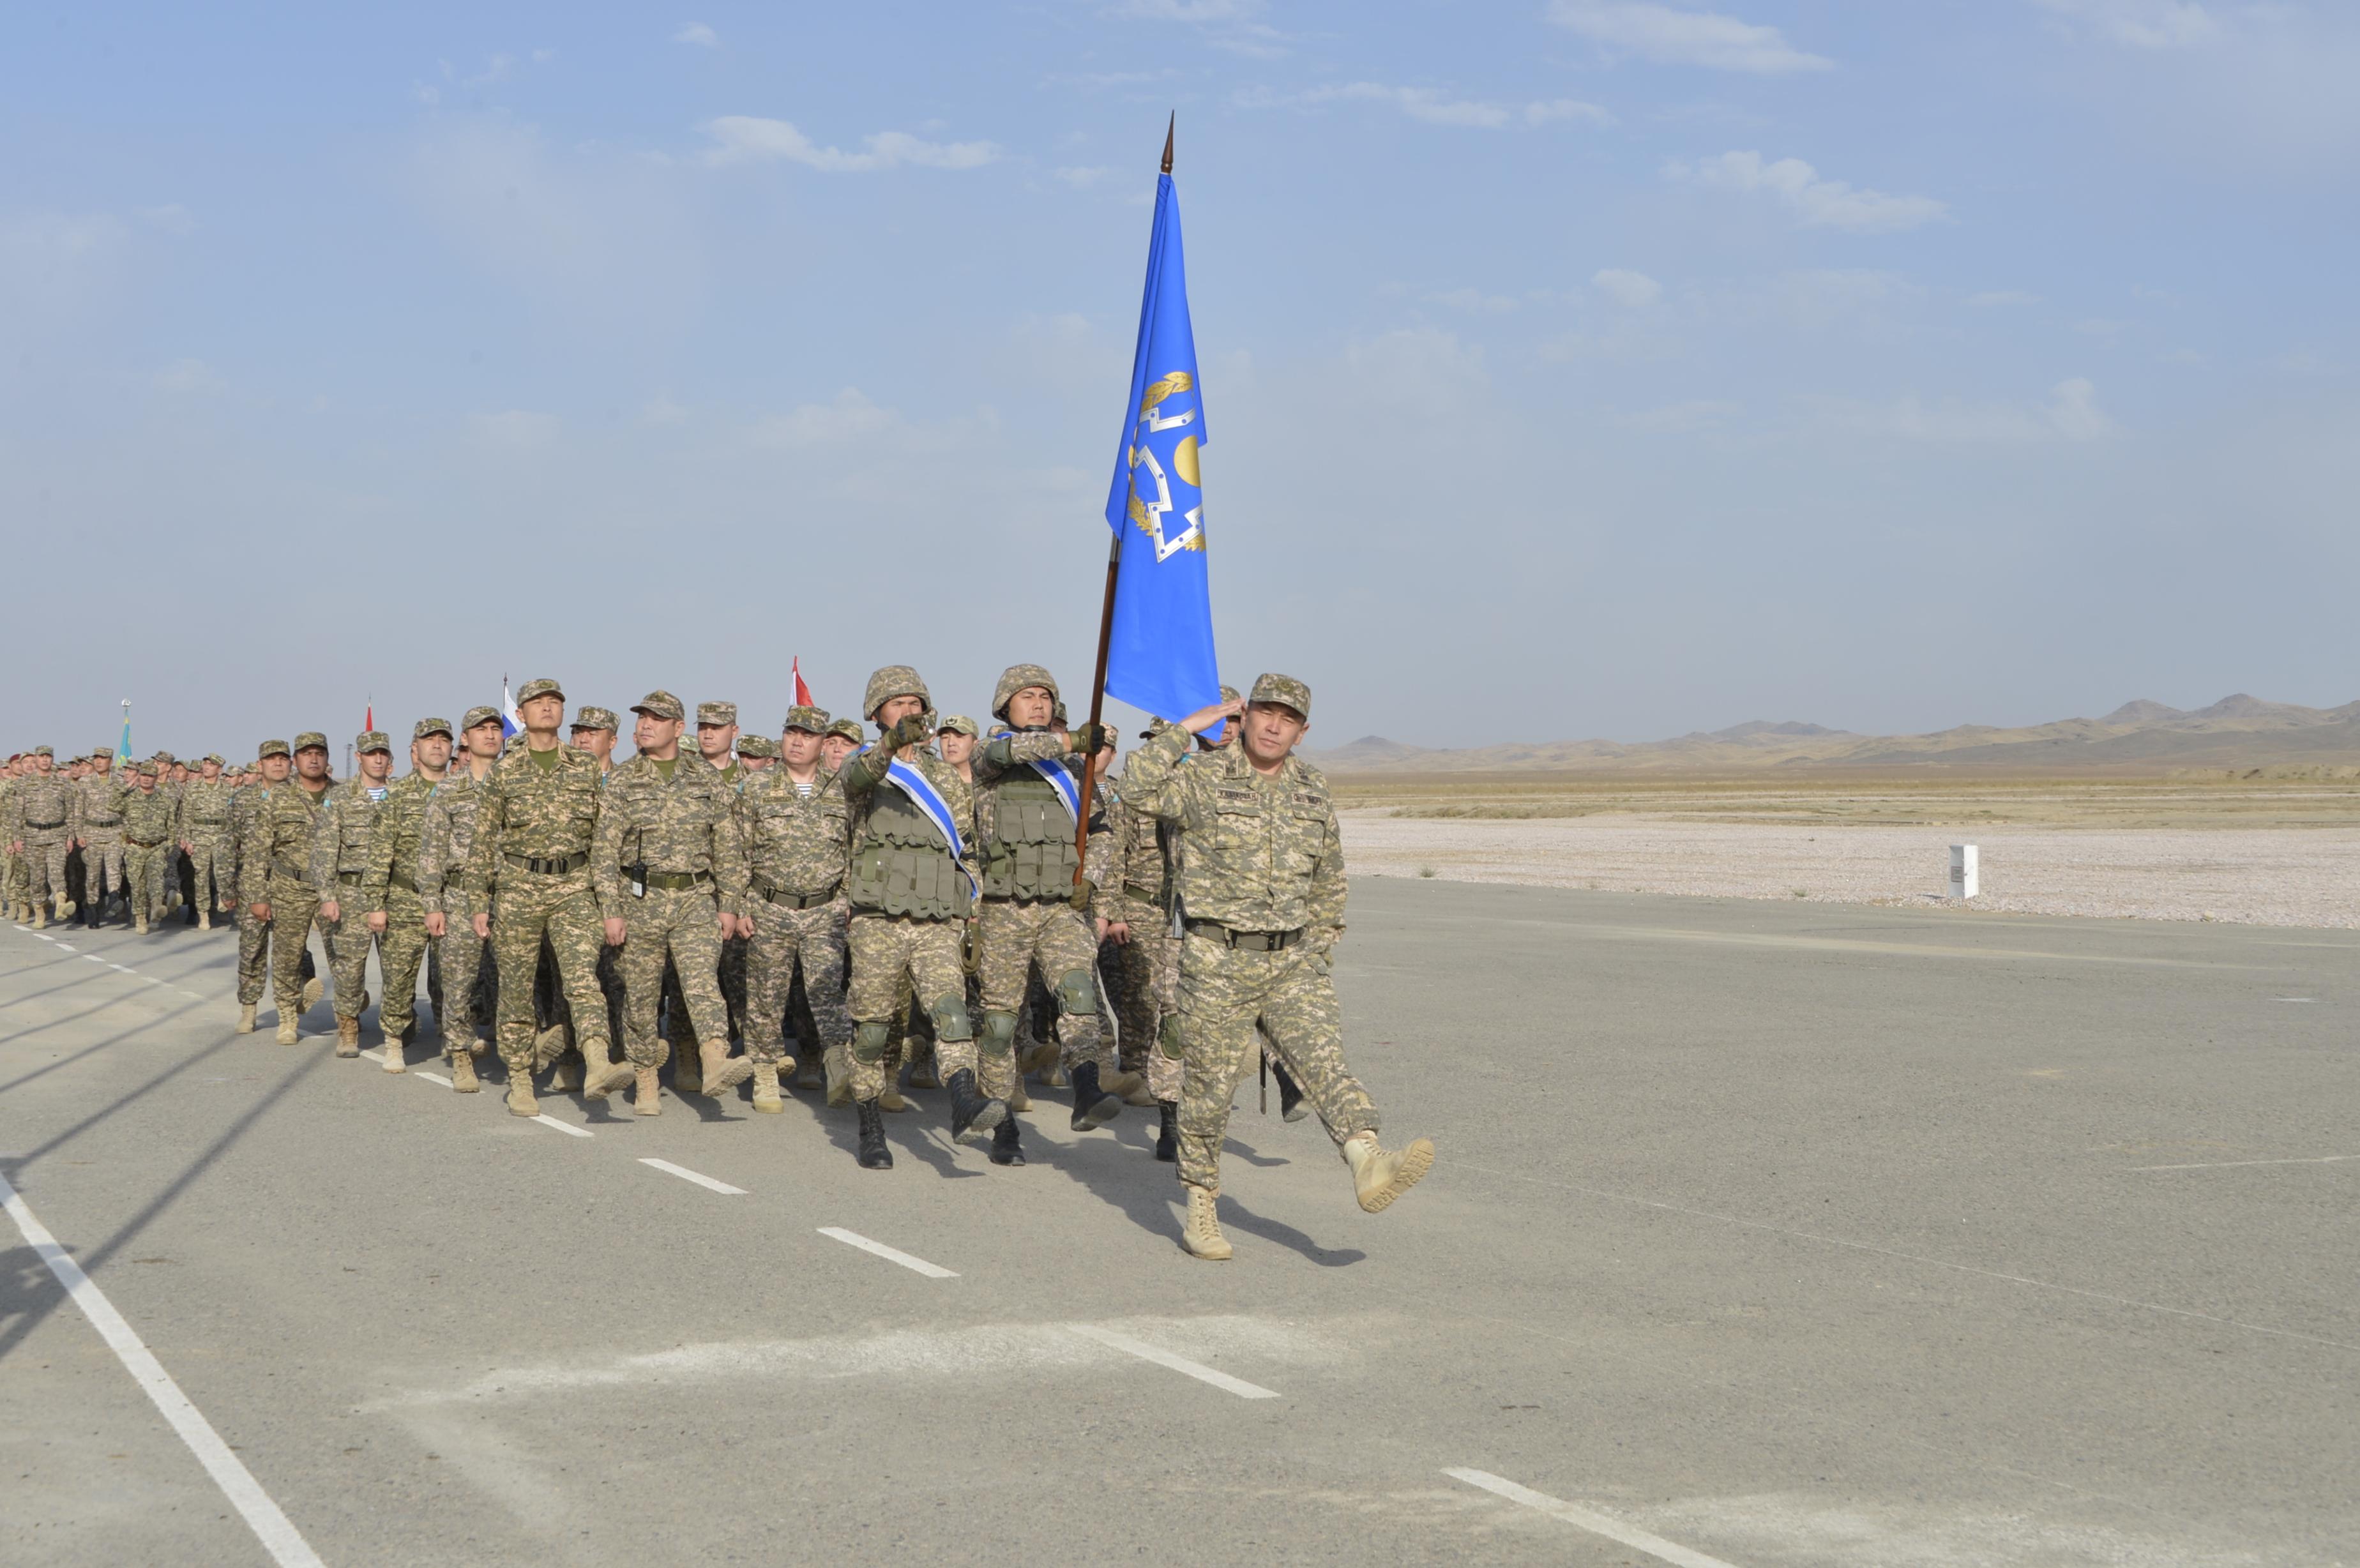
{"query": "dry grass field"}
(2276, 847)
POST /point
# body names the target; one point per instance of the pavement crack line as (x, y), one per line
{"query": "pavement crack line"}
(1596, 1523)
(891, 1254)
(1920, 1258)
(271, 1527)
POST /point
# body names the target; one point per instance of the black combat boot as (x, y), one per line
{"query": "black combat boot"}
(1005, 1149)
(1167, 1142)
(1093, 1106)
(93, 910)
(189, 918)
(1290, 1092)
(873, 1155)
(972, 1116)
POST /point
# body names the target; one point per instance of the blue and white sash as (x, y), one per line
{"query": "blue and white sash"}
(922, 793)
(1059, 777)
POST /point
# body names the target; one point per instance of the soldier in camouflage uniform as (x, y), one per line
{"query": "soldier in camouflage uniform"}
(205, 836)
(671, 878)
(717, 740)
(274, 862)
(40, 828)
(97, 827)
(388, 895)
(1024, 823)
(794, 823)
(528, 872)
(446, 838)
(757, 754)
(910, 887)
(253, 932)
(148, 815)
(1261, 887)
(12, 879)
(843, 738)
(339, 868)
(593, 731)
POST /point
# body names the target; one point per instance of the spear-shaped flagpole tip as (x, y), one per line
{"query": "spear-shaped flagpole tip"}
(1169, 126)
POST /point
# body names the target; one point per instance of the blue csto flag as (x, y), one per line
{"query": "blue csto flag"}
(1160, 657)
(123, 748)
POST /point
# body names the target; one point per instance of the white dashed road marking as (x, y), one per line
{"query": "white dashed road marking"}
(683, 1171)
(889, 1254)
(431, 1077)
(1614, 1530)
(277, 1534)
(1196, 1369)
(585, 1132)
(2230, 1164)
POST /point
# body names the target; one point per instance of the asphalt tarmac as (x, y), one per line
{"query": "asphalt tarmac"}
(1758, 1235)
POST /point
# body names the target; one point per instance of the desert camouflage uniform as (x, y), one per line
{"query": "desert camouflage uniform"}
(41, 814)
(274, 867)
(1264, 866)
(204, 828)
(253, 935)
(12, 884)
(530, 863)
(339, 869)
(389, 886)
(98, 824)
(1137, 893)
(445, 837)
(796, 850)
(148, 817)
(676, 838)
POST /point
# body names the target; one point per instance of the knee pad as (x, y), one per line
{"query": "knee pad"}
(999, 1034)
(1077, 995)
(870, 1040)
(1168, 1038)
(951, 1022)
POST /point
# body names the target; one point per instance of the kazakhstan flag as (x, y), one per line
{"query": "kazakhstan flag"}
(1160, 657)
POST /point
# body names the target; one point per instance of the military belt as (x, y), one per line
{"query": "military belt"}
(401, 879)
(209, 823)
(1144, 895)
(109, 822)
(146, 843)
(1246, 941)
(556, 868)
(287, 869)
(786, 900)
(350, 879)
(46, 826)
(676, 881)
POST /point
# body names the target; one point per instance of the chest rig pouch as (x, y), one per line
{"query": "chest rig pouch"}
(1031, 854)
(902, 867)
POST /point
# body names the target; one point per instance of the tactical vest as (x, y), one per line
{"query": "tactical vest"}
(1031, 854)
(902, 867)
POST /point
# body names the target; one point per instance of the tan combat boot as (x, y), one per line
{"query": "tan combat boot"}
(600, 1079)
(687, 1070)
(1038, 1057)
(1378, 1176)
(311, 994)
(765, 1088)
(839, 1059)
(139, 923)
(891, 1100)
(41, 917)
(287, 1033)
(245, 1018)
(522, 1102)
(1017, 1100)
(463, 1074)
(645, 1098)
(549, 1045)
(394, 1061)
(569, 1074)
(1131, 1086)
(1202, 1233)
(348, 1037)
(204, 920)
(723, 1072)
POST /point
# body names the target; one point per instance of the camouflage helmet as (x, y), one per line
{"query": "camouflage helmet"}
(756, 746)
(1014, 679)
(894, 680)
(849, 729)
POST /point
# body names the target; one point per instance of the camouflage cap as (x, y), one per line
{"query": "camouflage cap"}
(49, 752)
(425, 727)
(214, 758)
(1284, 690)
(371, 740)
(1154, 727)
(1229, 694)
(596, 719)
(756, 746)
(272, 749)
(804, 716)
(311, 739)
(479, 715)
(959, 724)
(165, 757)
(544, 687)
(660, 705)
(1014, 679)
(98, 751)
(893, 680)
(146, 767)
(716, 713)
(848, 728)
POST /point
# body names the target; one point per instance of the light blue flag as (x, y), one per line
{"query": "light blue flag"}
(1160, 657)
(123, 748)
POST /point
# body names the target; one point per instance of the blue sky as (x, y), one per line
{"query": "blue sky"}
(1575, 367)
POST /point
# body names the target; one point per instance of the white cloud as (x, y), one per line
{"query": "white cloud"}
(747, 139)
(1476, 300)
(1683, 419)
(2141, 23)
(1432, 106)
(1232, 25)
(697, 33)
(1825, 204)
(2073, 412)
(2070, 414)
(1635, 291)
(514, 430)
(1566, 109)
(187, 378)
(1668, 35)
(1993, 297)
(850, 417)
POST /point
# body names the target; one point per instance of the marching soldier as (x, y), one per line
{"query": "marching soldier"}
(339, 868)
(205, 836)
(98, 830)
(1262, 887)
(148, 815)
(446, 838)
(40, 828)
(671, 878)
(388, 895)
(275, 875)
(794, 823)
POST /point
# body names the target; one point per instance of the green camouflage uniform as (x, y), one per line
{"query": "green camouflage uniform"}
(204, 828)
(150, 817)
(98, 824)
(1138, 894)
(41, 813)
(274, 866)
(1025, 834)
(253, 935)
(445, 837)
(1264, 866)
(530, 865)
(668, 865)
(339, 870)
(389, 887)
(797, 846)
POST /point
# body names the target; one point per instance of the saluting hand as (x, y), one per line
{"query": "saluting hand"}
(1203, 719)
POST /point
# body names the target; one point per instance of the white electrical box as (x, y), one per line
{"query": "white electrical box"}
(1964, 880)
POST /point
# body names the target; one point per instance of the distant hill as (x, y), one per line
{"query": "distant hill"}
(2237, 732)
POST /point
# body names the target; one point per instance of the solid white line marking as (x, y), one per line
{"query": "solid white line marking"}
(2228, 1164)
(2294, 999)
(277, 1534)
(430, 1077)
(585, 1132)
(1196, 1369)
(890, 1255)
(1614, 1530)
(683, 1171)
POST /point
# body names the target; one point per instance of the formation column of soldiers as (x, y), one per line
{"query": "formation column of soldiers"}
(911, 906)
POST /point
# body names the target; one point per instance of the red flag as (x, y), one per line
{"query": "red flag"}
(803, 693)
(369, 720)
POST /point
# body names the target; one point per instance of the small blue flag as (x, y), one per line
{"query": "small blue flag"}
(511, 726)
(123, 749)
(1161, 658)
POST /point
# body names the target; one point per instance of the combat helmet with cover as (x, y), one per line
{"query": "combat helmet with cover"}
(894, 680)
(1014, 679)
